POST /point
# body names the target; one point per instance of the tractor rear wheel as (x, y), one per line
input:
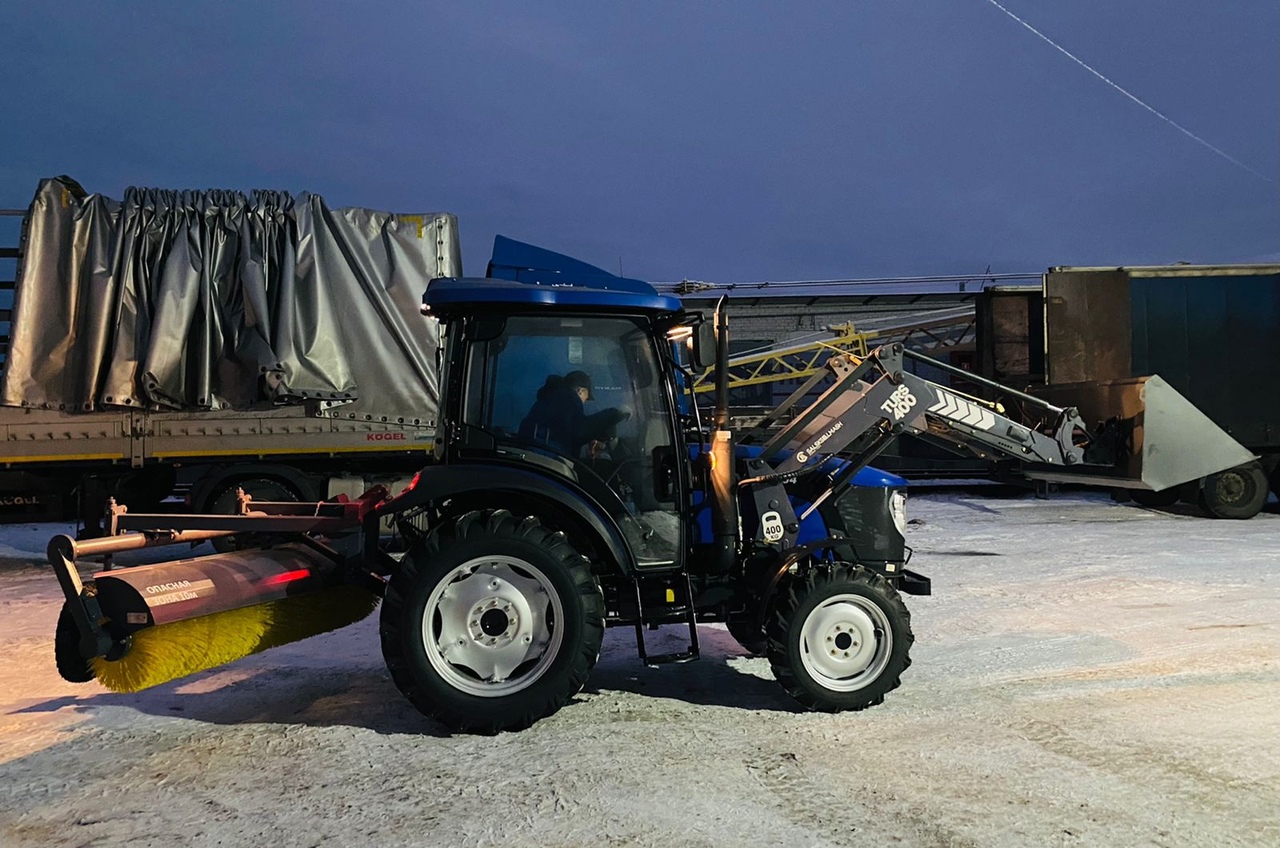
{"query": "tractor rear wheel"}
(839, 638)
(492, 622)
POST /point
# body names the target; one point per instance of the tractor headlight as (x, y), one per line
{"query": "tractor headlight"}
(898, 509)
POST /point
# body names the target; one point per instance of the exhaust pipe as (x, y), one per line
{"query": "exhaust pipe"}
(724, 498)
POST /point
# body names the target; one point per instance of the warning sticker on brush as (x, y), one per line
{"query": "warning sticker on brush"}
(179, 590)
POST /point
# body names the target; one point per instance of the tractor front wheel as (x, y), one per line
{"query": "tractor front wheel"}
(492, 622)
(746, 630)
(839, 637)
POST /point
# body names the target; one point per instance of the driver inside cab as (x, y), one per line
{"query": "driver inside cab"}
(557, 419)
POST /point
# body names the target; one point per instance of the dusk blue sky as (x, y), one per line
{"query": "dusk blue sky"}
(705, 140)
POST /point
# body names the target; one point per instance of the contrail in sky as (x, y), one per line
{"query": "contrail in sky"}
(1170, 121)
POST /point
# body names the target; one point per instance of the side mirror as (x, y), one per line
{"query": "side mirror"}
(702, 353)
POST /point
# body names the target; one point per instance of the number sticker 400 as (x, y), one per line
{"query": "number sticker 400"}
(899, 403)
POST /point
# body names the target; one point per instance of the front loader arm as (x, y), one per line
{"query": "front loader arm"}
(875, 393)
(861, 400)
(975, 425)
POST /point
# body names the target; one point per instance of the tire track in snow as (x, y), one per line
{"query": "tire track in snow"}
(1174, 778)
(846, 812)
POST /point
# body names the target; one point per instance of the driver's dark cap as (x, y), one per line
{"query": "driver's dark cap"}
(580, 380)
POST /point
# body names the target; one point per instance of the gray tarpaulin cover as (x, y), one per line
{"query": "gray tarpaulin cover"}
(183, 300)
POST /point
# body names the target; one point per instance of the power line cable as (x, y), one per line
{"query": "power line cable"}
(703, 285)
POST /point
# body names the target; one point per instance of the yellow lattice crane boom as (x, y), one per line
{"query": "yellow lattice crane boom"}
(795, 361)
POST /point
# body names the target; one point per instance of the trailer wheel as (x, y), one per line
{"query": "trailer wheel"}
(260, 488)
(1237, 492)
(492, 622)
(840, 638)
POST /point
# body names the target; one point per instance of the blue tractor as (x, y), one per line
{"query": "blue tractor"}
(577, 487)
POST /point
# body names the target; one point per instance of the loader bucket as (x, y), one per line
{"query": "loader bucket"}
(1173, 442)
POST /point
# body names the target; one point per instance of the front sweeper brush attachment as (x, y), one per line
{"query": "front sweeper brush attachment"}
(133, 628)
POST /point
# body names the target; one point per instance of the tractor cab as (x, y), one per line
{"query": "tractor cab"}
(575, 385)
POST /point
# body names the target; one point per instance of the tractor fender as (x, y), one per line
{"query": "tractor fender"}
(527, 491)
(766, 583)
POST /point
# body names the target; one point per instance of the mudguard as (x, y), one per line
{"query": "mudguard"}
(556, 496)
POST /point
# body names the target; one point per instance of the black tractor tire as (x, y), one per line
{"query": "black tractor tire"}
(1238, 492)
(73, 667)
(748, 633)
(839, 637)
(1157, 500)
(223, 502)
(471, 588)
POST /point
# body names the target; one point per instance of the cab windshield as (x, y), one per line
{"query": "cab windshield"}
(589, 390)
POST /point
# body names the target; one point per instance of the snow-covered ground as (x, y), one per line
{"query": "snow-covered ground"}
(1086, 673)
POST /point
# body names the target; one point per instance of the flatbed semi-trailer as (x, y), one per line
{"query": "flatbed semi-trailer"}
(68, 441)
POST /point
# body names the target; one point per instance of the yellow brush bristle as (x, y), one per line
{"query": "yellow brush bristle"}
(169, 651)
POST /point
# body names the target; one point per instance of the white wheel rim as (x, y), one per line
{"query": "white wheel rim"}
(845, 642)
(493, 626)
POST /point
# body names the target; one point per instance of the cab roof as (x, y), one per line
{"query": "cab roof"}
(525, 275)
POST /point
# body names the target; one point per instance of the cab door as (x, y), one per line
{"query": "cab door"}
(522, 389)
